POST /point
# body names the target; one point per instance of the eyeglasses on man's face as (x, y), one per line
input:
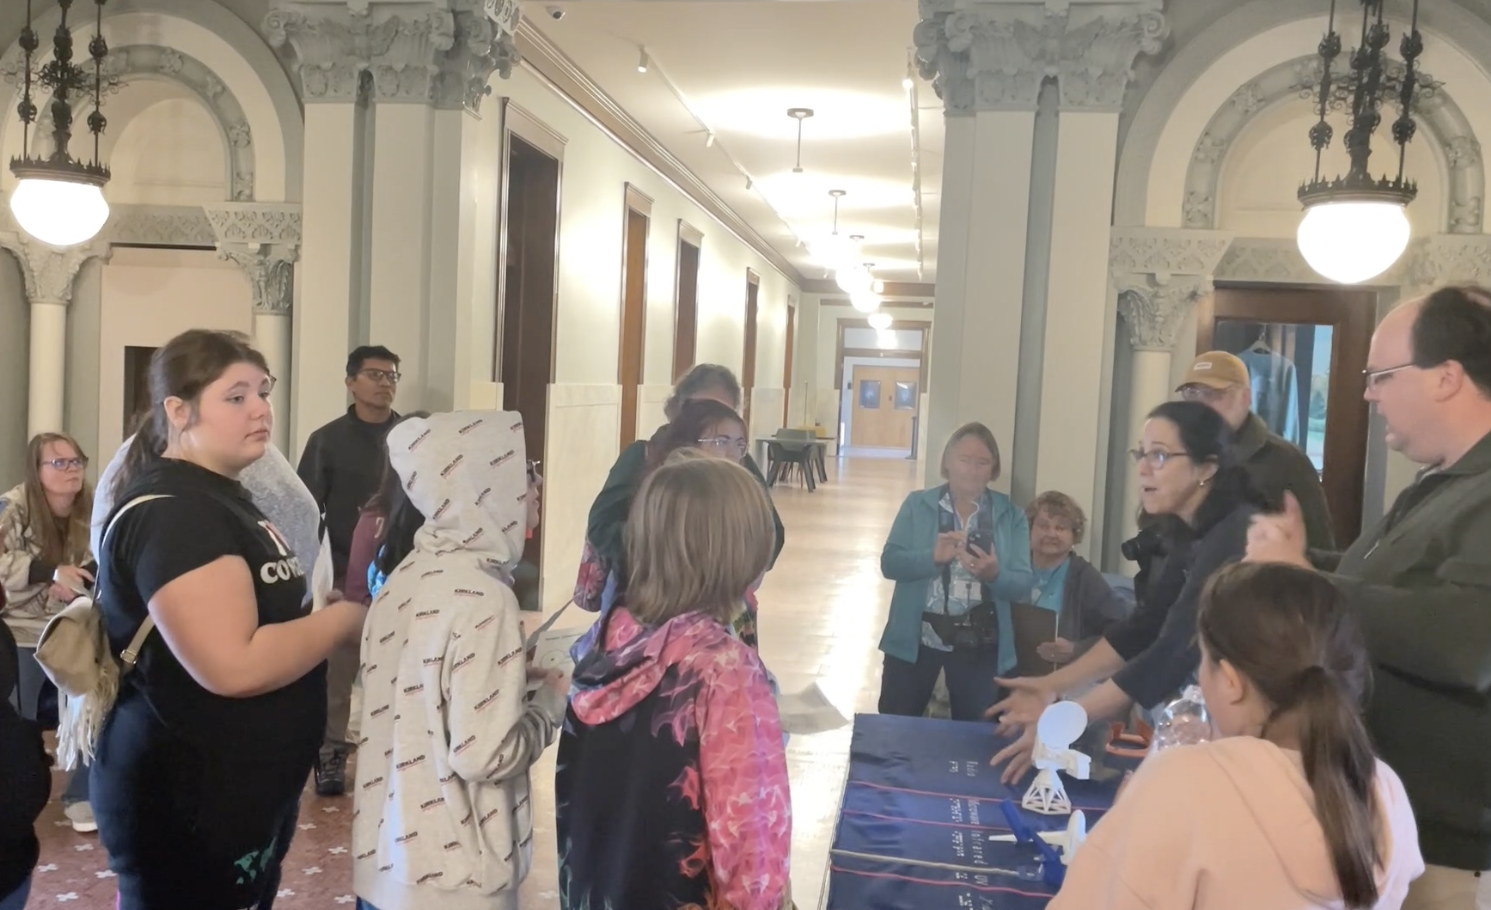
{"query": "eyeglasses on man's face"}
(1376, 378)
(66, 464)
(380, 376)
(1201, 393)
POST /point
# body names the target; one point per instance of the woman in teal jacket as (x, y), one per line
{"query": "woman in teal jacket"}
(959, 553)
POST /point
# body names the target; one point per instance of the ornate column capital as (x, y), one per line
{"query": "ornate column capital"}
(987, 55)
(48, 270)
(1160, 273)
(1155, 311)
(479, 50)
(1449, 259)
(270, 268)
(264, 239)
(400, 42)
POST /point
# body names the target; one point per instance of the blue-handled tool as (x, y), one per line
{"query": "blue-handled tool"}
(1053, 872)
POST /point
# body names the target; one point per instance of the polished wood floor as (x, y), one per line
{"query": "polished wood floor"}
(822, 610)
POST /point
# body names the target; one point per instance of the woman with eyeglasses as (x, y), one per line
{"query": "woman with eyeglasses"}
(45, 562)
(1198, 502)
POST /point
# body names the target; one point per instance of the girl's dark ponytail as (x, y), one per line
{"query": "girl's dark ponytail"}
(1341, 769)
(1290, 633)
(144, 449)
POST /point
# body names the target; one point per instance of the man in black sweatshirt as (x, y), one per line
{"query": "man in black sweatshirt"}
(26, 773)
(342, 464)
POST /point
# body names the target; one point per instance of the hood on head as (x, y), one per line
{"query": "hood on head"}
(466, 472)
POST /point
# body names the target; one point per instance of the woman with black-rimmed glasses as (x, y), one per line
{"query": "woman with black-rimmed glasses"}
(1198, 503)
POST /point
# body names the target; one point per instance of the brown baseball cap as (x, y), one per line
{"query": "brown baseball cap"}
(1216, 370)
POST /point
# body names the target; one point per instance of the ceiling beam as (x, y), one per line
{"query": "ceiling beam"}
(544, 58)
(927, 289)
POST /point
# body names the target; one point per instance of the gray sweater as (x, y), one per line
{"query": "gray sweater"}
(277, 490)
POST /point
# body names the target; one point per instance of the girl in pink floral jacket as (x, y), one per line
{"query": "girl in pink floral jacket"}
(672, 777)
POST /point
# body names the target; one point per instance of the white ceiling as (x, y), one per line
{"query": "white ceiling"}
(740, 66)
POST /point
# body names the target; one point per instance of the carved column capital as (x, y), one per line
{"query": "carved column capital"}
(985, 55)
(255, 222)
(1449, 259)
(400, 42)
(270, 269)
(1155, 311)
(480, 49)
(48, 270)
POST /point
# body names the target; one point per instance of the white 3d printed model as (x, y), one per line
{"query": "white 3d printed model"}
(1058, 728)
(1066, 840)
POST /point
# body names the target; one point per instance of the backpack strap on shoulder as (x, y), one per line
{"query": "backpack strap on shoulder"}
(131, 653)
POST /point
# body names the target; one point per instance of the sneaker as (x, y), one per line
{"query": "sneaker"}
(331, 772)
(81, 816)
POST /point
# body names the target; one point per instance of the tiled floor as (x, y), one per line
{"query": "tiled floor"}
(822, 610)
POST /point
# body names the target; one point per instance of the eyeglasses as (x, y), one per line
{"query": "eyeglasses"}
(389, 376)
(1156, 458)
(1375, 377)
(532, 471)
(67, 464)
(724, 444)
(1201, 393)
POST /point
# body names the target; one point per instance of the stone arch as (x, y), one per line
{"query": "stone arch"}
(240, 60)
(1437, 114)
(150, 61)
(1256, 36)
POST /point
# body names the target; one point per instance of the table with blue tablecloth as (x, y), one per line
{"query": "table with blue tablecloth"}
(920, 802)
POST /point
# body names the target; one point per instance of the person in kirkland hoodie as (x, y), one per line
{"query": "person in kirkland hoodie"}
(1289, 809)
(443, 814)
(26, 770)
(671, 785)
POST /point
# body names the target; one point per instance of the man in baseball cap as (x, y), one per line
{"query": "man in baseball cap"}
(1220, 380)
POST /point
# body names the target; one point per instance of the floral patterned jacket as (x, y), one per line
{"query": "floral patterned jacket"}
(28, 603)
(679, 721)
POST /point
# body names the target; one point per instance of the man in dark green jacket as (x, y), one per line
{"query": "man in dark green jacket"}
(1420, 583)
(1221, 381)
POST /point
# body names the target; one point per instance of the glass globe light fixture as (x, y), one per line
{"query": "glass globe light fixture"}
(834, 251)
(864, 301)
(59, 199)
(1355, 227)
(1352, 242)
(880, 320)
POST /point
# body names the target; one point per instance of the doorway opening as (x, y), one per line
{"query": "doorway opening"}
(787, 363)
(136, 385)
(748, 363)
(530, 254)
(881, 375)
(633, 308)
(1305, 349)
(686, 302)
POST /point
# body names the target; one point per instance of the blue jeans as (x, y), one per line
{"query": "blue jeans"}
(906, 688)
(16, 900)
(30, 682)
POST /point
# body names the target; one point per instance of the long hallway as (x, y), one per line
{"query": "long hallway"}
(822, 610)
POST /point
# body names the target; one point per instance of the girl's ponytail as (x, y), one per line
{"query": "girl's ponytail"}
(1290, 633)
(1341, 769)
(146, 448)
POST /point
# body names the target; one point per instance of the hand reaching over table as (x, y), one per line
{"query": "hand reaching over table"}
(1018, 713)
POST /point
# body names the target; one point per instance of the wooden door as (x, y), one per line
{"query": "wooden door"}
(633, 309)
(1306, 349)
(748, 364)
(884, 402)
(787, 364)
(686, 300)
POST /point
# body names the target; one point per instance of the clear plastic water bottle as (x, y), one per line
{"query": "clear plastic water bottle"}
(1183, 722)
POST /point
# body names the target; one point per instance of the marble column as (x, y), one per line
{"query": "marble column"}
(989, 59)
(1092, 69)
(264, 240)
(48, 272)
(1158, 275)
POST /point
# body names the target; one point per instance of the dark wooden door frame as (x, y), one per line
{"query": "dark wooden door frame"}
(751, 330)
(634, 201)
(686, 330)
(791, 333)
(905, 325)
(1352, 314)
(518, 122)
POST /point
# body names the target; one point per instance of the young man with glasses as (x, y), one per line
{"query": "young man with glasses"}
(1221, 381)
(1420, 584)
(342, 464)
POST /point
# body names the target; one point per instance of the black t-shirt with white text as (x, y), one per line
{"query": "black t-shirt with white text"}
(195, 792)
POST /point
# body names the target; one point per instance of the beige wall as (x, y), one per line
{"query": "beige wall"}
(148, 296)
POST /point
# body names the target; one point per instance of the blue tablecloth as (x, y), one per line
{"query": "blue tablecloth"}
(920, 803)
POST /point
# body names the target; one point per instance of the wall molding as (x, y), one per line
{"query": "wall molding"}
(557, 71)
(926, 290)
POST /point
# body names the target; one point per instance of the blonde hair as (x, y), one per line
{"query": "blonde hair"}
(699, 534)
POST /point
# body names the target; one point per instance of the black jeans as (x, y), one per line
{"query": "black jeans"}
(906, 688)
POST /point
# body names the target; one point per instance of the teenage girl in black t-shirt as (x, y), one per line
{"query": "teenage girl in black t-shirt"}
(201, 763)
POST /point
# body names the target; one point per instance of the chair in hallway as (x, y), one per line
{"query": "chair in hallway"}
(792, 448)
